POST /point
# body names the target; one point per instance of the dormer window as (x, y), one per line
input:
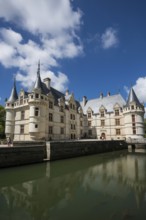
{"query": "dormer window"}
(132, 107)
(102, 114)
(36, 95)
(117, 112)
(50, 105)
(89, 114)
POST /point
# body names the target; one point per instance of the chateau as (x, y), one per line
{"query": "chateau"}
(47, 114)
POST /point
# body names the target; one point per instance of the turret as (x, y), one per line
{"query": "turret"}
(38, 109)
(10, 114)
(134, 116)
(38, 83)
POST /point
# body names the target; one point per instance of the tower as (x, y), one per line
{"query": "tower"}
(133, 113)
(10, 113)
(38, 110)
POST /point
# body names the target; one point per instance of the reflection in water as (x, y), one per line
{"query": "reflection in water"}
(107, 186)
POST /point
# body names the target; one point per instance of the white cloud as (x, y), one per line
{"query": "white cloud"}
(109, 38)
(53, 23)
(58, 81)
(140, 88)
(45, 16)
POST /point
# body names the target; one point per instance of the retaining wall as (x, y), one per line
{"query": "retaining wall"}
(62, 150)
(15, 156)
(26, 153)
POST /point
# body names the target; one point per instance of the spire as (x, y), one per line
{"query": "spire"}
(133, 98)
(13, 97)
(38, 72)
(38, 83)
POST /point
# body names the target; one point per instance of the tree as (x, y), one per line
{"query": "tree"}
(2, 121)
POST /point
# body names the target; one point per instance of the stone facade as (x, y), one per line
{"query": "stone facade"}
(47, 114)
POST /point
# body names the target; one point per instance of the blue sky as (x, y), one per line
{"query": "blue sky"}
(85, 46)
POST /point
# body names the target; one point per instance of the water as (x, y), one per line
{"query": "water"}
(100, 187)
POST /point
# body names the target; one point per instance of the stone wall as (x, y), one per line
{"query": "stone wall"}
(62, 150)
(15, 156)
(34, 152)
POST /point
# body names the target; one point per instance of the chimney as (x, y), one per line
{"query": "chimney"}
(84, 100)
(67, 92)
(101, 95)
(108, 94)
(47, 82)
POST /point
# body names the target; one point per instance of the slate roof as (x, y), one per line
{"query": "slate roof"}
(133, 98)
(13, 97)
(108, 102)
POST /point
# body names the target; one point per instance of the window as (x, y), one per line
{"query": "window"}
(50, 117)
(21, 129)
(90, 132)
(62, 119)
(102, 114)
(118, 131)
(72, 117)
(117, 112)
(132, 106)
(89, 115)
(22, 115)
(36, 96)
(89, 123)
(62, 130)
(73, 126)
(134, 130)
(42, 97)
(133, 124)
(50, 130)
(61, 108)
(50, 104)
(133, 118)
(117, 121)
(36, 125)
(36, 111)
(71, 105)
(102, 123)
(81, 123)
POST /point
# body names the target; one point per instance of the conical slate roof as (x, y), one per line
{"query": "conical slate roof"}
(38, 83)
(133, 98)
(13, 97)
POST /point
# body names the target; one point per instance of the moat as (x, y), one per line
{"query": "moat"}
(99, 187)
